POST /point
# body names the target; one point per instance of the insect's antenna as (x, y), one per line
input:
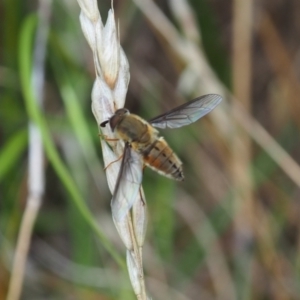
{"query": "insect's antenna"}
(103, 124)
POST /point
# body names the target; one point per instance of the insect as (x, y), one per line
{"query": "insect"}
(144, 146)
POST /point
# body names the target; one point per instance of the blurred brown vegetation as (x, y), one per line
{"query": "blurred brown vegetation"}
(231, 231)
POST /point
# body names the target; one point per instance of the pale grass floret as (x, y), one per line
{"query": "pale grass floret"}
(109, 93)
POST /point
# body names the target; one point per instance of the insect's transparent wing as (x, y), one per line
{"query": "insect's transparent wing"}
(187, 113)
(128, 183)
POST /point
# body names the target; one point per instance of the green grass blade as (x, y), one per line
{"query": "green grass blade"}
(25, 61)
(11, 152)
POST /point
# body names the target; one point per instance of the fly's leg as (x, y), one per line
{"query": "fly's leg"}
(141, 195)
(140, 190)
(112, 162)
(107, 139)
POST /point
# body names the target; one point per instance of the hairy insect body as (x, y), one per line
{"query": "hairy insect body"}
(144, 139)
(144, 146)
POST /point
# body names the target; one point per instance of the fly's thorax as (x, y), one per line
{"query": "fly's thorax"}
(135, 130)
(160, 157)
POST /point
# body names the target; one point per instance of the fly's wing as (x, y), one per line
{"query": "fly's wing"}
(187, 113)
(128, 183)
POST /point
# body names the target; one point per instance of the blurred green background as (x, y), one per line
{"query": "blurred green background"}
(230, 230)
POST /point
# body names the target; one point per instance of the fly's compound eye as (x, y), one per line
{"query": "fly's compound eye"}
(121, 112)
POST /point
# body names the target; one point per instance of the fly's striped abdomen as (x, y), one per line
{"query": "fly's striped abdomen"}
(161, 158)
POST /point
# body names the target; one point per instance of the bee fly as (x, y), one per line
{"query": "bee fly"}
(144, 146)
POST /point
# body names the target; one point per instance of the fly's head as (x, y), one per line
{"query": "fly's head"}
(116, 118)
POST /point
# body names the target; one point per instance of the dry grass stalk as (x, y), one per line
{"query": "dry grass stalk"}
(241, 142)
(36, 181)
(206, 236)
(197, 68)
(281, 63)
(109, 92)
